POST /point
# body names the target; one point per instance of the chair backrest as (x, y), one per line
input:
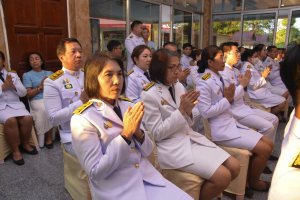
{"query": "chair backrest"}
(207, 129)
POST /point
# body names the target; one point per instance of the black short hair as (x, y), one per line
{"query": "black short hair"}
(2, 56)
(259, 47)
(187, 45)
(61, 47)
(169, 43)
(137, 51)
(246, 54)
(145, 29)
(208, 53)
(160, 63)
(290, 73)
(270, 48)
(227, 46)
(28, 60)
(93, 67)
(240, 48)
(195, 53)
(113, 44)
(135, 23)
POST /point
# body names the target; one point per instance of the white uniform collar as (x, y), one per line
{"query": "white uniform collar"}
(135, 35)
(139, 71)
(295, 126)
(213, 74)
(73, 73)
(104, 102)
(226, 65)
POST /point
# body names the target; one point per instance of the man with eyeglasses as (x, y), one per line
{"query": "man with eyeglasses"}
(240, 63)
(264, 122)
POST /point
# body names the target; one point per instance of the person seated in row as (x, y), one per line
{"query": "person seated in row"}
(286, 177)
(169, 115)
(150, 44)
(240, 64)
(139, 76)
(185, 62)
(34, 84)
(182, 74)
(64, 90)
(110, 141)
(196, 56)
(264, 122)
(215, 105)
(257, 89)
(13, 114)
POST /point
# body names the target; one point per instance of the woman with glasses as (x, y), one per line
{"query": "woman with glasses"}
(215, 105)
(109, 140)
(169, 115)
(139, 76)
(257, 88)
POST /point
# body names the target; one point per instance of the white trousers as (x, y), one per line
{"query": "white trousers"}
(70, 149)
(265, 123)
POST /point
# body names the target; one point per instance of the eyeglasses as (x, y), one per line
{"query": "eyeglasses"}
(178, 67)
(222, 58)
(237, 53)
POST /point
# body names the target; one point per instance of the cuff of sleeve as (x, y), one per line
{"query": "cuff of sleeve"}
(226, 103)
(126, 140)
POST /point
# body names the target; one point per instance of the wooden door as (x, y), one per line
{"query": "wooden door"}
(35, 25)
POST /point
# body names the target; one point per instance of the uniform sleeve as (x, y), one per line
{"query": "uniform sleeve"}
(96, 163)
(206, 108)
(21, 90)
(239, 90)
(147, 147)
(129, 45)
(159, 128)
(256, 84)
(26, 81)
(273, 75)
(132, 90)
(56, 113)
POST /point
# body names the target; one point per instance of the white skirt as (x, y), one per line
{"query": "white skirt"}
(9, 112)
(271, 101)
(39, 116)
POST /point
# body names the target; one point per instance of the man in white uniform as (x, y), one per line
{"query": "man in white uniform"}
(285, 182)
(133, 40)
(185, 62)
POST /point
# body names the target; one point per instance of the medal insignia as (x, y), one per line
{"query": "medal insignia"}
(218, 92)
(145, 82)
(275, 59)
(131, 36)
(248, 66)
(67, 80)
(64, 82)
(295, 161)
(108, 125)
(142, 83)
(232, 77)
(68, 86)
(163, 102)
(159, 88)
(269, 60)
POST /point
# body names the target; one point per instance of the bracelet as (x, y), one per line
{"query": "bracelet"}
(140, 137)
(38, 88)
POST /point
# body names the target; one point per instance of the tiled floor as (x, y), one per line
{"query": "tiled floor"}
(42, 176)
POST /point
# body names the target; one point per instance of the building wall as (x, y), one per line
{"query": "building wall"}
(2, 42)
(206, 23)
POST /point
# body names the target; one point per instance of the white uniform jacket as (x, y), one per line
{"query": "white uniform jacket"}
(169, 128)
(216, 108)
(62, 98)
(286, 179)
(238, 107)
(136, 80)
(185, 61)
(116, 170)
(194, 73)
(130, 43)
(274, 76)
(10, 97)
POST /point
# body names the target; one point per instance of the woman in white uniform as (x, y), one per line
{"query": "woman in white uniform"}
(196, 56)
(13, 114)
(215, 105)
(110, 142)
(139, 76)
(169, 115)
(257, 89)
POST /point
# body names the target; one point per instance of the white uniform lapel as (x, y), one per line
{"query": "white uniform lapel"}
(165, 94)
(177, 93)
(109, 113)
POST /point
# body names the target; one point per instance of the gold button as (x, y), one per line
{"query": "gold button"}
(73, 73)
(230, 116)
(81, 87)
(77, 77)
(133, 150)
(187, 133)
(5, 101)
(76, 93)
(6, 95)
(99, 104)
(137, 165)
(71, 101)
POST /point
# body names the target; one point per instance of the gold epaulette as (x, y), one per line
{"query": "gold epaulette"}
(125, 99)
(147, 87)
(79, 110)
(194, 64)
(206, 76)
(129, 72)
(56, 75)
(13, 71)
(181, 56)
(296, 160)
(131, 36)
(82, 68)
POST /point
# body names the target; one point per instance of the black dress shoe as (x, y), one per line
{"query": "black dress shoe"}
(283, 120)
(268, 184)
(248, 192)
(267, 170)
(33, 152)
(19, 162)
(49, 146)
(273, 158)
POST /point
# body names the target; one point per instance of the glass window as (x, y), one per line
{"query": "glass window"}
(108, 23)
(193, 4)
(294, 37)
(196, 31)
(182, 27)
(281, 28)
(178, 2)
(258, 29)
(147, 13)
(165, 24)
(227, 5)
(286, 3)
(226, 28)
(260, 4)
